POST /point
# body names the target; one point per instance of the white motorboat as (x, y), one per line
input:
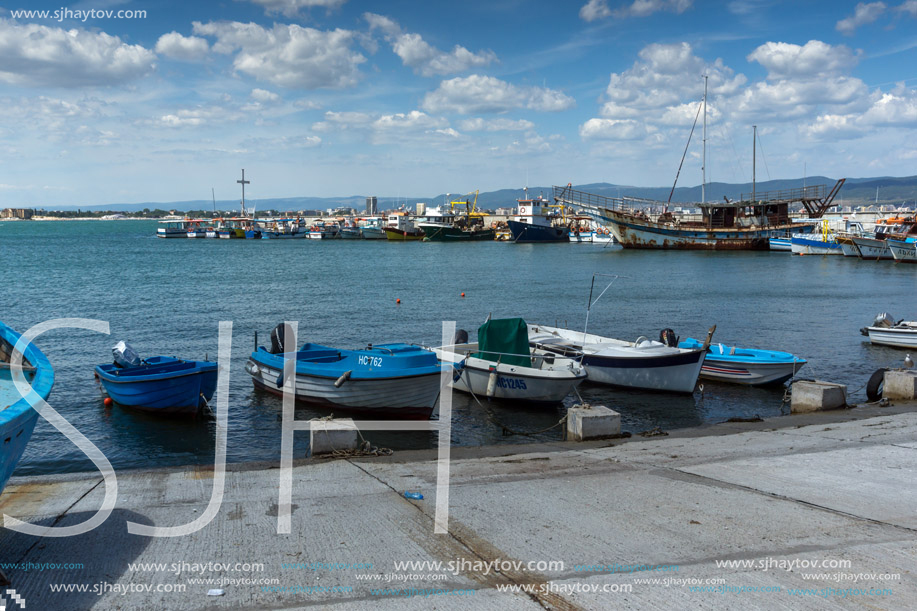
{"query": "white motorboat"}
(643, 364)
(886, 332)
(501, 365)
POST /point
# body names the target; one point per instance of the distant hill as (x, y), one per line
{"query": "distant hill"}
(858, 191)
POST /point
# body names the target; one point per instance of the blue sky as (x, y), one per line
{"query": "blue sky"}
(341, 97)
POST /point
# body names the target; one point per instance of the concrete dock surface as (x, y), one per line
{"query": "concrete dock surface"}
(798, 512)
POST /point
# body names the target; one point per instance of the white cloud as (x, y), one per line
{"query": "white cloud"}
(486, 94)
(37, 55)
(341, 120)
(187, 48)
(408, 121)
(197, 117)
(908, 7)
(495, 125)
(424, 58)
(665, 75)
(291, 8)
(863, 13)
(645, 8)
(595, 9)
(288, 55)
(895, 109)
(815, 58)
(612, 129)
(264, 96)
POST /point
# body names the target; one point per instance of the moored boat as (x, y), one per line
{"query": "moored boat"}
(746, 366)
(466, 227)
(642, 364)
(501, 365)
(403, 230)
(385, 380)
(172, 229)
(886, 332)
(903, 251)
(538, 220)
(17, 415)
(159, 384)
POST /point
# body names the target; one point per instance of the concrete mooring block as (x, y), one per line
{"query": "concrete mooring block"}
(592, 423)
(328, 436)
(900, 385)
(816, 396)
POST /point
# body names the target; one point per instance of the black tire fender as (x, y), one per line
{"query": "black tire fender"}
(875, 384)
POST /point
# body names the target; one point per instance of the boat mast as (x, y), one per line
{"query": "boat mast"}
(754, 143)
(243, 182)
(703, 167)
(214, 197)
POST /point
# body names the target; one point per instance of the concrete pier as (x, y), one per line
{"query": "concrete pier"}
(592, 422)
(815, 395)
(900, 385)
(775, 514)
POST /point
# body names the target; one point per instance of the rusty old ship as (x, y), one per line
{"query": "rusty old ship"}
(743, 224)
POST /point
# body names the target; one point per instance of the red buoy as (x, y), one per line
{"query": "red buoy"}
(108, 402)
(397, 301)
(463, 294)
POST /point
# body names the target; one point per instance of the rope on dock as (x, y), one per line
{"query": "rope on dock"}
(366, 448)
(509, 431)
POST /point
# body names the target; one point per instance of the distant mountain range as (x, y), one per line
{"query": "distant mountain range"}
(857, 191)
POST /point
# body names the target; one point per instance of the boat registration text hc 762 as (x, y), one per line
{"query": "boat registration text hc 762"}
(372, 361)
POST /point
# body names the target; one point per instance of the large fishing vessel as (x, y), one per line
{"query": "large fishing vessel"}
(745, 224)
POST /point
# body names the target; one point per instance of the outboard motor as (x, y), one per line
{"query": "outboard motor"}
(668, 338)
(278, 338)
(884, 320)
(461, 337)
(125, 356)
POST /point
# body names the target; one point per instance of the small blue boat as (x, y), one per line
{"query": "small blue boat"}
(160, 384)
(745, 365)
(385, 380)
(17, 418)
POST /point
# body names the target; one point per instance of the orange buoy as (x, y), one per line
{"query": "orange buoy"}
(397, 301)
(108, 402)
(463, 294)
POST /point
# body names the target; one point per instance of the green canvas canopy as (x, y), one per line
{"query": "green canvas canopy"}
(506, 340)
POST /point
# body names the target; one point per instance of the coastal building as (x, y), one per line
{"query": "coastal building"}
(421, 208)
(17, 213)
(372, 206)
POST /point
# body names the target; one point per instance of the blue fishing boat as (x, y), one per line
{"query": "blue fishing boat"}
(385, 380)
(538, 221)
(745, 365)
(159, 384)
(17, 418)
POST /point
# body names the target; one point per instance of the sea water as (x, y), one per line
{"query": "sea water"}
(167, 297)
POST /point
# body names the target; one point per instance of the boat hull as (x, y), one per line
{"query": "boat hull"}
(903, 252)
(530, 385)
(454, 234)
(373, 233)
(808, 244)
(524, 233)
(383, 398)
(623, 364)
(17, 416)
(633, 232)
(747, 366)
(400, 235)
(872, 249)
(896, 337)
(781, 244)
(164, 392)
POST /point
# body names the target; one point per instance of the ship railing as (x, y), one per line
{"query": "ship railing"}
(798, 194)
(541, 355)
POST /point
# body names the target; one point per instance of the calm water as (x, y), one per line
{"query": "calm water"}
(167, 297)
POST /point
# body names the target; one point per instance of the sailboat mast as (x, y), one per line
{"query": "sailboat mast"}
(754, 146)
(243, 182)
(214, 197)
(703, 168)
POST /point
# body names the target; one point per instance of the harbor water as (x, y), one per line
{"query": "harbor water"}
(168, 297)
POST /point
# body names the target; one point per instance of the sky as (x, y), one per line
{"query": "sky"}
(106, 101)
